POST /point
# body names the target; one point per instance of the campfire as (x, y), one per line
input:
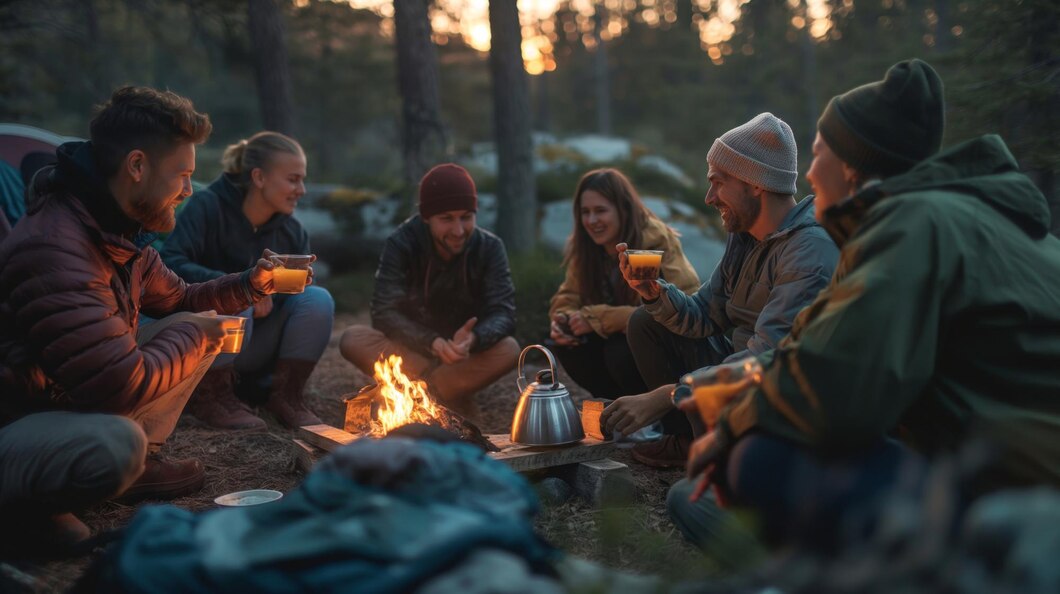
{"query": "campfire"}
(396, 400)
(401, 399)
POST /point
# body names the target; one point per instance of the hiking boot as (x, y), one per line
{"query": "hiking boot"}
(43, 536)
(165, 479)
(669, 452)
(287, 397)
(215, 403)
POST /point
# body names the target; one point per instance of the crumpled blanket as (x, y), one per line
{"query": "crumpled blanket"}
(387, 515)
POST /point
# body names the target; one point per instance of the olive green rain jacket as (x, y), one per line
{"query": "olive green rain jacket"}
(942, 322)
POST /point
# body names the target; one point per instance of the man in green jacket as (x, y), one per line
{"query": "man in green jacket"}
(941, 325)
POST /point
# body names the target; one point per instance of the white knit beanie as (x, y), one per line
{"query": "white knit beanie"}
(761, 152)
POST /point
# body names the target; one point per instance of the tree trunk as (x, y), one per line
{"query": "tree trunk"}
(424, 138)
(271, 67)
(809, 80)
(99, 60)
(601, 75)
(543, 112)
(326, 134)
(684, 15)
(516, 193)
(943, 37)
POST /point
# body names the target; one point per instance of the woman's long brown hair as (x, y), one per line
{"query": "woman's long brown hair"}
(590, 261)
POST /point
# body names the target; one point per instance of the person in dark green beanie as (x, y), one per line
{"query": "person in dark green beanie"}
(941, 326)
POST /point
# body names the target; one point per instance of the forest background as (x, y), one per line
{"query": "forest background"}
(668, 74)
(379, 90)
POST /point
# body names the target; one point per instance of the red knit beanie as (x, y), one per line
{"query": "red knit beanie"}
(447, 187)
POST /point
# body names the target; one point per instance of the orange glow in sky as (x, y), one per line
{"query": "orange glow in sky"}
(715, 21)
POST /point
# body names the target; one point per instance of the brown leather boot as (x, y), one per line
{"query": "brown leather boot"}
(287, 398)
(216, 404)
(165, 479)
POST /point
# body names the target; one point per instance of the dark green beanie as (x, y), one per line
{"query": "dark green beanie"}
(886, 127)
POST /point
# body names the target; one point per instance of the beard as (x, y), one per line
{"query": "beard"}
(743, 215)
(154, 216)
(444, 248)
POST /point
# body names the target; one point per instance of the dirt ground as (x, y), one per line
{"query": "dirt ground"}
(637, 538)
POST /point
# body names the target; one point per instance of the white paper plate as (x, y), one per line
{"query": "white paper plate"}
(245, 498)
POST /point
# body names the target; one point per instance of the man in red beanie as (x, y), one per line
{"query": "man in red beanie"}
(444, 299)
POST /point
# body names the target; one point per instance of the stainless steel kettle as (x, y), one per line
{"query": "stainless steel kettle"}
(545, 414)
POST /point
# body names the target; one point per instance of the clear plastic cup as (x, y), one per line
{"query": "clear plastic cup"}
(235, 328)
(715, 387)
(290, 272)
(645, 264)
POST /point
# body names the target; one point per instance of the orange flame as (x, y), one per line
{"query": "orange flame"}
(403, 399)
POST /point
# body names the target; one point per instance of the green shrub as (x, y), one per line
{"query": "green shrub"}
(536, 275)
(352, 291)
(558, 185)
(344, 205)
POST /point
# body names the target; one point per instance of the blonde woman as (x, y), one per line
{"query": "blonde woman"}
(223, 229)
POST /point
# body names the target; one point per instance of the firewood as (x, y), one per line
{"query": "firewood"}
(359, 409)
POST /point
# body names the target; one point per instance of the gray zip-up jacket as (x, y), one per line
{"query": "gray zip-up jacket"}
(757, 289)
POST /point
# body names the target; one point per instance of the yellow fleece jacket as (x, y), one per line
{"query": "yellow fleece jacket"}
(610, 319)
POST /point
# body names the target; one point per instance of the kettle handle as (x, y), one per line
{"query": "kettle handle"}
(520, 382)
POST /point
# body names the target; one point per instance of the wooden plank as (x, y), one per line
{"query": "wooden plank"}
(591, 410)
(325, 437)
(305, 455)
(519, 457)
(523, 458)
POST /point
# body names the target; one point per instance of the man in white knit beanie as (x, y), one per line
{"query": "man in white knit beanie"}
(777, 258)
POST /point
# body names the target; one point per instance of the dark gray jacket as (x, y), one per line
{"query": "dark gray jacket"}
(213, 237)
(419, 297)
(758, 287)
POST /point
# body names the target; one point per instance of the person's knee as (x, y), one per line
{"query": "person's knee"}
(318, 299)
(678, 506)
(113, 460)
(641, 325)
(357, 344)
(128, 450)
(506, 353)
(314, 304)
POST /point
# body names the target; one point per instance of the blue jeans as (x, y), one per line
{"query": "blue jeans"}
(798, 495)
(298, 328)
(717, 531)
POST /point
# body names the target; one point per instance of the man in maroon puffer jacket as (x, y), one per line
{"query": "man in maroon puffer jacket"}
(87, 397)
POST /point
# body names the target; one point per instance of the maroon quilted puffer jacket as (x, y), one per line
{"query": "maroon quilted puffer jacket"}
(70, 295)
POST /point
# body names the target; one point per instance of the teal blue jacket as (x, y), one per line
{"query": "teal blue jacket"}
(757, 289)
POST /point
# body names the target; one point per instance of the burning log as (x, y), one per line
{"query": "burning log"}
(396, 400)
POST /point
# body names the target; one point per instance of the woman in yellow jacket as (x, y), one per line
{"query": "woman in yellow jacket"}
(590, 310)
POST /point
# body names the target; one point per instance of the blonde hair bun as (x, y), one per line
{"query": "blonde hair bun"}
(232, 159)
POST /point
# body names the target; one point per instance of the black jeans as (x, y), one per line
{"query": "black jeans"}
(662, 357)
(603, 366)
